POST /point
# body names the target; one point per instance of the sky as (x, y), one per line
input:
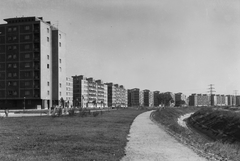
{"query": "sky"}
(165, 45)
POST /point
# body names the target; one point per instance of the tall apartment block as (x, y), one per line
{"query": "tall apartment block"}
(117, 95)
(156, 98)
(69, 91)
(136, 97)
(32, 66)
(147, 98)
(88, 92)
(180, 99)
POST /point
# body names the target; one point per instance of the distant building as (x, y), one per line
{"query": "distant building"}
(156, 99)
(180, 99)
(88, 92)
(136, 100)
(199, 100)
(117, 95)
(69, 91)
(146, 98)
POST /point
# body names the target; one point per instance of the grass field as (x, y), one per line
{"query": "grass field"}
(66, 138)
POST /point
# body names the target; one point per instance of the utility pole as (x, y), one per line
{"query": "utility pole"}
(211, 90)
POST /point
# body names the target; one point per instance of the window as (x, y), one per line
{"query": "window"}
(10, 93)
(9, 47)
(27, 93)
(60, 93)
(9, 74)
(14, 83)
(27, 65)
(48, 57)
(60, 69)
(26, 47)
(48, 66)
(26, 83)
(15, 65)
(60, 44)
(14, 37)
(9, 38)
(60, 36)
(9, 29)
(27, 27)
(60, 85)
(48, 83)
(9, 56)
(47, 39)
(60, 60)
(26, 37)
(14, 47)
(15, 29)
(27, 74)
(9, 65)
(14, 93)
(27, 55)
(14, 74)
(48, 92)
(47, 30)
(14, 56)
(9, 83)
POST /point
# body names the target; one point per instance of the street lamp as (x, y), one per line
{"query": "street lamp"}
(24, 104)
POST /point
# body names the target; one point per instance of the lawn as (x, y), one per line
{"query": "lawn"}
(66, 138)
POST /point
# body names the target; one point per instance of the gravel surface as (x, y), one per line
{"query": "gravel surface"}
(181, 121)
(148, 141)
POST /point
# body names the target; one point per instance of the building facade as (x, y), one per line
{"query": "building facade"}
(27, 60)
(156, 98)
(69, 91)
(146, 98)
(89, 93)
(136, 97)
(117, 95)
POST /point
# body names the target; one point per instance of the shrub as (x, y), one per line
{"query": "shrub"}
(95, 113)
(71, 111)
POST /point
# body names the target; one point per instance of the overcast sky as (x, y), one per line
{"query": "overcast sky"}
(165, 45)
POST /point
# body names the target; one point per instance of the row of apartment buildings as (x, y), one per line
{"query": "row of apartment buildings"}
(88, 92)
(213, 100)
(33, 75)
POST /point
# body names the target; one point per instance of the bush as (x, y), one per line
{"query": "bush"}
(95, 113)
(71, 112)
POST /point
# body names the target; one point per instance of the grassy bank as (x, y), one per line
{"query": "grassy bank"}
(193, 138)
(66, 138)
(223, 126)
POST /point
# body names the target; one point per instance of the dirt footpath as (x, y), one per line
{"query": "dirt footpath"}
(148, 142)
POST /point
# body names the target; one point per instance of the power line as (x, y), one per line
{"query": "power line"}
(211, 90)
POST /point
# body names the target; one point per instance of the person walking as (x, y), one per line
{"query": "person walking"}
(6, 112)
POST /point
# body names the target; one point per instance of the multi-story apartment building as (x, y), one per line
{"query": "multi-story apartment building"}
(180, 99)
(30, 74)
(69, 91)
(90, 93)
(117, 95)
(136, 97)
(156, 98)
(129, 98)
(230, 100)
(147, 98)
(199, 100)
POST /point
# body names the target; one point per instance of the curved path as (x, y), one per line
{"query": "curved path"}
(149, 142)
